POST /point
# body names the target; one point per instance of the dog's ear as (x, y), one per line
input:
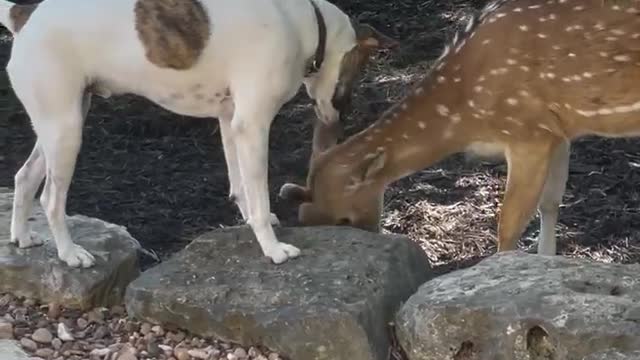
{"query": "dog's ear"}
(368, 36)
(295, 193)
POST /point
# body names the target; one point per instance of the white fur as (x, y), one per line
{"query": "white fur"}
(258, 49)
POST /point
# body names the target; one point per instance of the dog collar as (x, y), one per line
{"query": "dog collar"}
(318, 58)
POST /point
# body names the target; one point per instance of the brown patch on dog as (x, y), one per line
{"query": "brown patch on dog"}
(20, 14)
(173, 32)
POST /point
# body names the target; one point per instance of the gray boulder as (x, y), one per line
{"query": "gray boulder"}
(334, 302)
(11, 350)
(38, 273)
(614, 355)
(516, 306)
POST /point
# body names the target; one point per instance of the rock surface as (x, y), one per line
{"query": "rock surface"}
(333, 302)
(516, 306)
(614, 355)
(11, 350)
(37, 273)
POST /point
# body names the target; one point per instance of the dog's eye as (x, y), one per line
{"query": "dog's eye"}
(344, 222)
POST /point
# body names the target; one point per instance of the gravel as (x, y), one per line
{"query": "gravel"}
(52, 332)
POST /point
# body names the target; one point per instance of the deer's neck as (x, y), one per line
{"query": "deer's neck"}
(415, 133)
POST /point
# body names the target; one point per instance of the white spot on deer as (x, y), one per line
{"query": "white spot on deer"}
(368, 138)
(506, 132)
(514, 120)
(471, 104)
(441, 79)
(524, 68)
(578, 8)
(568, 106)
(603, 54)
(587, 75)
(514, 51)
(404, 106)
(481, 79)
(523, 93)
(405, 136)
(571, 55)
(418, 91)
(499, 71)
(544, 127)
(377, 131)
(576, 77)
(380, 148)
(534, 6)
(501, 15)
(552, 17)
(618, 32)
(635, 35)
(477, 116)
(611, 38)
(486, 41)
(442, 110)
(388, 139)
(457, 79)
(518, 9)
(512, 61)
(440, 65)
(523, 28)
(622, 58)
(387, 121)
(422, 125)
(448, 134)
(477, 88)
(455, 118)
(615, 7)
(541, 35)
(632, 11)
(512, 101)
(556, 47)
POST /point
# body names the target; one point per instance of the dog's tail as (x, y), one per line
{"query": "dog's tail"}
(15, 16)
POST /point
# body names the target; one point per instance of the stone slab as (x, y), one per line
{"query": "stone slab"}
(11, 350)
(38, 273)
(614, 355)
(517, 306)
(334, 302)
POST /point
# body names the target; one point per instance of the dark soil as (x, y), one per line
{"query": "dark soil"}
(163, 175)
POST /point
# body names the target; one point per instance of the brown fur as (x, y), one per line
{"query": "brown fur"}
(20, 14)
(173, 32)
(524, 85)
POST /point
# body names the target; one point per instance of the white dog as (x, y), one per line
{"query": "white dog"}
(238, 61)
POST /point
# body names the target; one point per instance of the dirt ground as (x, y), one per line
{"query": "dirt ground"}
(163, 175)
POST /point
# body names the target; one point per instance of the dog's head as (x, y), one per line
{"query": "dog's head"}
(347, 53)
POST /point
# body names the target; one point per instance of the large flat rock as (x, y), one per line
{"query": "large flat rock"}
(38, 273)
(516, 306)
(614, 355)
(11, 350)
(334, 302)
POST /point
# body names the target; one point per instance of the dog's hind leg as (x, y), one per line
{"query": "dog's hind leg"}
(27, 180)
(57, 115)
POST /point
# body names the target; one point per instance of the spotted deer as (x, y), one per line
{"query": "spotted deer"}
(238, 61)
(522, 81)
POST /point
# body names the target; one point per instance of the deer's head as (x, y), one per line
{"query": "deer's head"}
(339, 193)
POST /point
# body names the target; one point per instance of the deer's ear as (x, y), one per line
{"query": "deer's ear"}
(295, 193)
(368, 36)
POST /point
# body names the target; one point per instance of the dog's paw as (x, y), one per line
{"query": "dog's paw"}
(26, 241)
(281, 252)
(273, 218)
(76, 256)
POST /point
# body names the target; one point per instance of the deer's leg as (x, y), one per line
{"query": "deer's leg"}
(237, 192)
(528, 166)
(549, 205)
(325, 135)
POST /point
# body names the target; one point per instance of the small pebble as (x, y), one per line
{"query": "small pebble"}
(117, 310)
(63, 333)
(198, 354)
(240, 353)
(29, 302)
(42, 336)
(44, 353)
(145, 328)
(28, 344)
(6, 330)
(82, 323)
(274, 356)
(56, 343)
(100, 352)
(168, 350)
(158, 330)
(181, 354)
(232, 356)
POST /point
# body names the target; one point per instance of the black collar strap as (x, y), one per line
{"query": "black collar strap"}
(322, 41)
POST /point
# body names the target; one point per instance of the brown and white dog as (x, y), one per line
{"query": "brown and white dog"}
(238, 61)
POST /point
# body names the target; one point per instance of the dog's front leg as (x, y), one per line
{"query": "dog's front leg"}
(250, 133)
(237, 193)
